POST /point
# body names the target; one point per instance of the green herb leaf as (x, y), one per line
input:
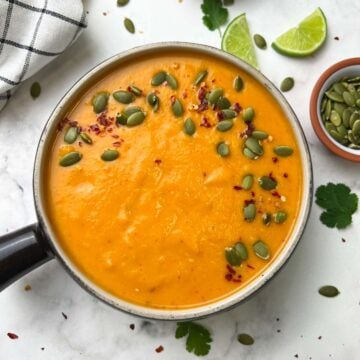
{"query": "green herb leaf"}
(198, 338)
(339, 203)
(215, 14)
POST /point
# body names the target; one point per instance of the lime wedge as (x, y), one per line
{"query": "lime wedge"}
(304, 39)
(237, 41)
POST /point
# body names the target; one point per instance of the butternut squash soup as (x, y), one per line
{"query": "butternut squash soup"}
(174, 181)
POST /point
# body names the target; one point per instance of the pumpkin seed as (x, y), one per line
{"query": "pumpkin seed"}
(131, 110)
(122, 2)
(356, 128)
(328, 110)
(339, 88)
(254, 146)
(323, 104)
(100, 101)
(358, 103)
(329, 291)
(223, 149)
(330, 126)
(287, 84)
(110, 155)
(354, 116)
(177, 108)
(354, 146)
(154, 101)
(280, 217)
(121, 118)
(259, 135)
(172, 82)
(86, 138)
(266, 218)
(342, 130)
(353, 79)
(189, 127)
(245, 339)
(129, 25)
(249, 154)
(35, 90)
(249, 212)
(123, 96)
(283, 150)
(223, 103)
(346, 117)
(247, 182)
(332, 95)
(70, 159)
(248, 114)
(267, 183)
(71, 135)
(135, 119)
(238, 83)
(339, 108)
(242, 250)
(135, 90)
(200, 77)
(335, 118)
(232, 256)
(336, 135)
(261, 250)
(224, 125)
(348, 98)
(158, 78)
(228, 114)
(215, 95)
(259, 41)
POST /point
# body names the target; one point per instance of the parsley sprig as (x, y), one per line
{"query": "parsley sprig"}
(215, 14)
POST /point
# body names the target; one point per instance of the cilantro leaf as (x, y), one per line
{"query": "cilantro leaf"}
(339, 203)
(198, 338)
(215, 14)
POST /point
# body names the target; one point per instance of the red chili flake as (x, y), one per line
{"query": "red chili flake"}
(95, 128)
(184, 95)
(159, 349)
(285, 175)
(213, 80)
(64, 315)
(172, 99)
(204, 174)
(80, 143)
(248, 202)
(228, 277)
(202, 94)
(248, 131)
(116, 143)
(250, 266)
(274, 159)
(236, 107)
(253, 194)
(73, 123)
(202, 107)
(205, 123)
(157, 161)
(27, 288)
(220, 115)
(132, 326)
(336, 38)
(12, 336)
(115, 136)
(276, 194)
(104, 120)
(271, 176)
(230, 269)
(237, 187)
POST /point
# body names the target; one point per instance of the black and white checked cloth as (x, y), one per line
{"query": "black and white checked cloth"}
(32, 33)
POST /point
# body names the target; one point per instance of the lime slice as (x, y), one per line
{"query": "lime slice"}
(237, 41)
(304, 39)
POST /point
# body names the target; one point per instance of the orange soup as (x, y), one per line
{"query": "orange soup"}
(174, 181)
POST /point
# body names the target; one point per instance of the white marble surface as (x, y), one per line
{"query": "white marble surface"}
(94, 331)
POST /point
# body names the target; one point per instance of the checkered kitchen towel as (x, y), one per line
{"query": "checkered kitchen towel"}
(32, 33)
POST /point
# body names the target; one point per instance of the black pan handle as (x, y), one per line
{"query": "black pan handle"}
(20, 252)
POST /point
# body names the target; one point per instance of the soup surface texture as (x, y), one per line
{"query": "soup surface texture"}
(157, 221)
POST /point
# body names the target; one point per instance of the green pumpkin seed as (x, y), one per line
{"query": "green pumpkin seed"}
(70, 159)
(135, 90)
(283, 150)
(280, 217)
(354, 146)
(110, 155)
(129, 25)
(135, 119)
(346, 117)
(323, 104)
(249, 212)
(248, 114)
(339, 108)
(348, 98)
(261, 250)
(358, 103)
(339, 88)
(123, 96)
(254, 146)
(287, 84)
(259, 135)
(228, 114)
(223, 149)
(356, 128)
(259, 41)
(232, 256)
(132, 110)
(223, 103)
(245, 339)
(342, 130)
(158, 78)
(71, 135)
(266, 218)
(267, 183)
(249, 154)
(224, 125)
(329, 291)
(241, 249)
(336, 135)
(238, 83)
(328, 110)
(171, 81)
(122, 2)
(354, 116)
(100, 101)
(189, 127)
(35, 90)
(200, 77)
(154, 101)
(247, 182)
(215, 95)
(86, 138)
(177, 108)
(332, 95)
(330, 127)
(351, 137)
(335, 118)
(121, 119)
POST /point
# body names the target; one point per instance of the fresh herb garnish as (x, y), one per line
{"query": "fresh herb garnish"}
(198, 338)
(215, 14)
(339, 203)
